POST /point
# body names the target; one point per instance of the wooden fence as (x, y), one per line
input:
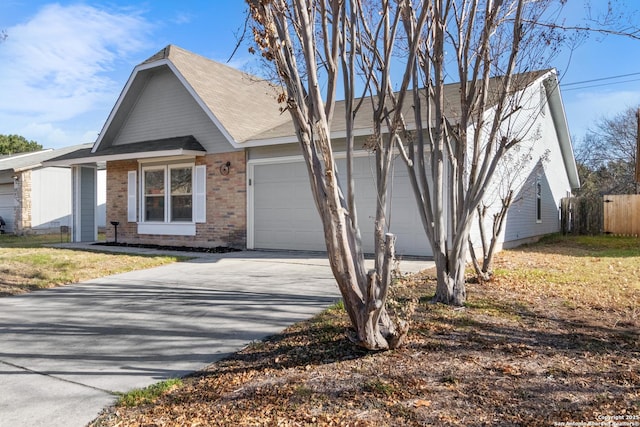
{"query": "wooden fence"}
(582, 215)
(619, 215)
(622, 214)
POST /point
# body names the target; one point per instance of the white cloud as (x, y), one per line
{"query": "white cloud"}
(183, 18)
(59, 65)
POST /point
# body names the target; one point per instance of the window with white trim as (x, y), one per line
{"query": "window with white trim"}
(172, 197)
(167, 193)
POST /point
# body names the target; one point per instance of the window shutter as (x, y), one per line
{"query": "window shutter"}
(132, 184)
(200, 194)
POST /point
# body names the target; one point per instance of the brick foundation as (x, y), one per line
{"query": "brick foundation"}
(226, 205)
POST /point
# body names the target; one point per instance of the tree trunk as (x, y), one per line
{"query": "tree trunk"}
(450, 287)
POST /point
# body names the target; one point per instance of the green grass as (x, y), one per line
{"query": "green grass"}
(603, 245)
(142, 396)
(36, 240)
(29, 241)
(379, 387)
(29, 263)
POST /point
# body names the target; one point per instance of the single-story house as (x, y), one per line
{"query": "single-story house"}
(199, 154)
(35, 198)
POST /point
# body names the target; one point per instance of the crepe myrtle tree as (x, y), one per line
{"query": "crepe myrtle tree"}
(458, 140)
(314, 46)
(520, 171)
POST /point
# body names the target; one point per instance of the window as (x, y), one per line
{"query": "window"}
(181, 194)
(154, 195)
(168, 193)
(173, 198)
(538, 201)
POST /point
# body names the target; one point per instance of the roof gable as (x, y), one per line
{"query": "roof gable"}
(244, 104)
(238, 104)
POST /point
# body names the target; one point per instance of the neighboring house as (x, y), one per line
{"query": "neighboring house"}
(199, 154)
(35, 198)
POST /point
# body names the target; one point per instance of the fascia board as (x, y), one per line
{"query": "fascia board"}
(556, 107)
(125, 156)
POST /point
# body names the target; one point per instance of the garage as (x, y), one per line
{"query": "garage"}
(7, 205)
(282, 214)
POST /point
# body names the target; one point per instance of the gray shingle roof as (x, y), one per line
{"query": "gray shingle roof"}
(244, 104)
(189, 143)
(24, 161)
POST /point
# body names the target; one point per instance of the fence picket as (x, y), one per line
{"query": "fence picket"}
(622, 214)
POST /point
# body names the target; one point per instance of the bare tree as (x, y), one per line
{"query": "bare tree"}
(518, 171)
(312, 44)
(461, 134)
(608, 155)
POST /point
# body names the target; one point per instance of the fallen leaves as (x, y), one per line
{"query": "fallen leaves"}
(531, 349)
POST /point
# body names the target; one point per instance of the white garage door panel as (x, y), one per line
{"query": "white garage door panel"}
(285, 216)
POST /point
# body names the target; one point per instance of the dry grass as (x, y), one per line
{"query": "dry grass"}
(555, 338)
(26, 264)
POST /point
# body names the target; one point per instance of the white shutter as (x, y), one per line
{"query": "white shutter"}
(200, 194)
(132, 185)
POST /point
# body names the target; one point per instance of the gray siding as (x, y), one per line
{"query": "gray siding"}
(165, 109)
(521, 221)
(534, 125)
(87, 204)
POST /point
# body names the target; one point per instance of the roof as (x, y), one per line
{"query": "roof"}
(240, 104)
(25, 161)
(245, 109)
(177, 146)
(363, 124)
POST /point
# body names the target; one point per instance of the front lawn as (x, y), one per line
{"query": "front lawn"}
(27, 264)
(554, 339)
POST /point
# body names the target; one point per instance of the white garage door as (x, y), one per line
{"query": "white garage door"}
(285, 217)
(7, 205)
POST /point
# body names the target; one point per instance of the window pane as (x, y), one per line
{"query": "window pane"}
(154, 208)
(181, 198)
(181, 181)
(154, 182)
(154, 195)
(181, 208)
(538, 202)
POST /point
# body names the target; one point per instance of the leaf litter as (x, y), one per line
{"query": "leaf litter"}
(554, 338)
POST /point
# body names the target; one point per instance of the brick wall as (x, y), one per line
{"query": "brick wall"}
(22, 221)
(226, 205)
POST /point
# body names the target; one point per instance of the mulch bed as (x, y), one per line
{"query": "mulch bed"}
(214, 250)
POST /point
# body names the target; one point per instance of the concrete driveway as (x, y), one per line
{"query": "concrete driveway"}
(66, 352)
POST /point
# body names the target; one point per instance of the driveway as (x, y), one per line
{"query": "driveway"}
(66, 352)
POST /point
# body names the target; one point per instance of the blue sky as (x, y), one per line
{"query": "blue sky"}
(64, 64)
